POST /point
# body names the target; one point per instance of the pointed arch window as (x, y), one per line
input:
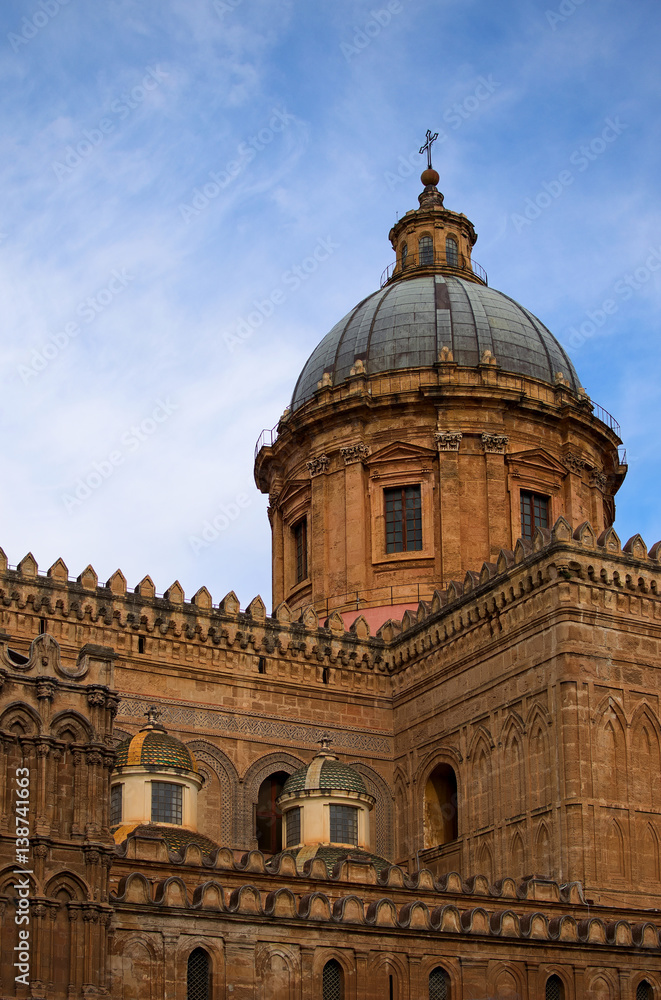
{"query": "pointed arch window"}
(644, 991)
(451, 252)
(439, 984)
(198, 976)
(425, 250)
(555, 988)
(333, 981)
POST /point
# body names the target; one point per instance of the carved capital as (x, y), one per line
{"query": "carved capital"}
(3, 678)
(598, 479)
(574, 463)
(42, 749)
(355, 453)
(494, 444)
(46, 689)
(94, 759)
(40, 850)
(77, 758)
(448, 440)
(112, 704)
(318, 465)
(92, 856)
(96, 696)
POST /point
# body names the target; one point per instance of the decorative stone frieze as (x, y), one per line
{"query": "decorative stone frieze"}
(448, 440)
(318, 465)
(494, 444)
(355, 453)
(598, 479)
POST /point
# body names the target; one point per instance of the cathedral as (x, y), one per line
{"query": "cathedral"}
(433, 770)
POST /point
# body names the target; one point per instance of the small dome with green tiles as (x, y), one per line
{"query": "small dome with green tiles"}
(332, 857)
(154, 748)
(325, 771)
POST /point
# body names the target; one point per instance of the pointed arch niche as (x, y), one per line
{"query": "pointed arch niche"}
(441, 807)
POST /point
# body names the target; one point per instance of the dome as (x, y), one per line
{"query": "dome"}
(325, 773)
(408, 322)
(331, 856)
(176, 838)
(154, 748)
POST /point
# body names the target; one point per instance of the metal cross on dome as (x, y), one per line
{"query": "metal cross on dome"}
(427, 146)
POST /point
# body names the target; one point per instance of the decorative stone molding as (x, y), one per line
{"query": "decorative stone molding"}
(494, 444)
(487, 358)
(318, 465)
(355, 453)
(358, 367)
(326, 381)
(445, 355)
(598, 479)
(448, 440)
(574, 463)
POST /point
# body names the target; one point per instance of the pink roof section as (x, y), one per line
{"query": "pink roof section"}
(375, 617)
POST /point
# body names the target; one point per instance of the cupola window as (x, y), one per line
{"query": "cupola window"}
(301, 547)
(534, 513)
(405, 253)
(293, 820)
(451, 252)
(344, 825)
(403, 519)
(166, 802)
(115, 805)
(426, 250)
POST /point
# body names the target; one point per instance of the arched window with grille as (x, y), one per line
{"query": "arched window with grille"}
(198, 978)
(439, 984)
(555, 988)
(425, 250)
(333, 981)
(644, 991)
(451, 251)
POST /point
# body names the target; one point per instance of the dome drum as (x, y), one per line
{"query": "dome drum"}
(433, 426)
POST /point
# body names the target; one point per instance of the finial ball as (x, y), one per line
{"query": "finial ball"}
(430, 176)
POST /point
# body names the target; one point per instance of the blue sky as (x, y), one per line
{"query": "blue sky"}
(125, 287)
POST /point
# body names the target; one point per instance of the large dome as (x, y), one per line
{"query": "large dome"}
(407, 323)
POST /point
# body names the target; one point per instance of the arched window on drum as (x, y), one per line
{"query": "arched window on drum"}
(425, 251)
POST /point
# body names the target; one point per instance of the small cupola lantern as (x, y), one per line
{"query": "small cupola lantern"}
(325, 804)
(155, 780)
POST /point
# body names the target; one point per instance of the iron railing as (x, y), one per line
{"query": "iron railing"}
(430, 262)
